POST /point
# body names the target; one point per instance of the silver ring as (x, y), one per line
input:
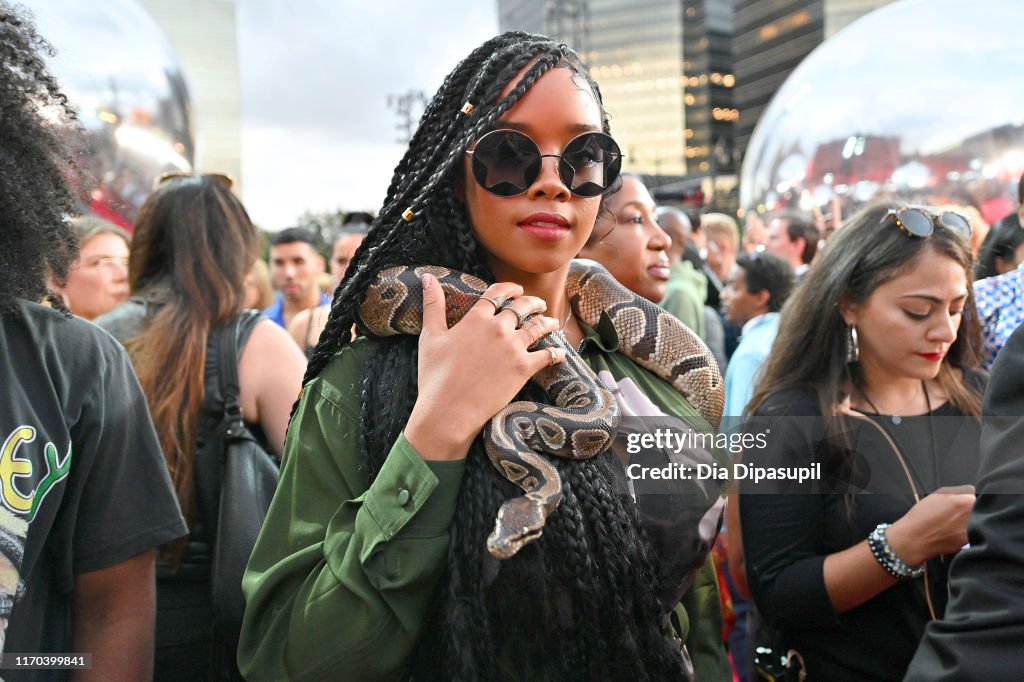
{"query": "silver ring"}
(554, 355)
(507, 305)
(497, 304)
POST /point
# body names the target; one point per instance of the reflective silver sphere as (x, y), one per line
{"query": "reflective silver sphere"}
(919, 100)
(120, 74)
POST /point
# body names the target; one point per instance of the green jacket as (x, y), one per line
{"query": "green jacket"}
(343, 571)
(685, 295)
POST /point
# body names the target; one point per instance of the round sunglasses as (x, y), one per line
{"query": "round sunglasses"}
(916, 222)
(507, 162)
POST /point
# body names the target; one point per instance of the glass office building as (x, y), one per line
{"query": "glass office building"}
(669, 103)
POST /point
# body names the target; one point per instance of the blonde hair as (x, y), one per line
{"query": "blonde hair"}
(260, 274)
(721, 228)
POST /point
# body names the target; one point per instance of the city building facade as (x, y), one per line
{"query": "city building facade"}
(664, 67)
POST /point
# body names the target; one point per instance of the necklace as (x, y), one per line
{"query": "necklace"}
(896, 419)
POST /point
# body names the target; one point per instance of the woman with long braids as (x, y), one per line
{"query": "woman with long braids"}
(374, 560)
(873, 377)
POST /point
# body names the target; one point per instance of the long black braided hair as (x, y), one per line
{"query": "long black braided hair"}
(581, 602)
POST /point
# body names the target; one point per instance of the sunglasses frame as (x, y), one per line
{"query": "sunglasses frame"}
(615, 164)
(222, 179)
(964, 230)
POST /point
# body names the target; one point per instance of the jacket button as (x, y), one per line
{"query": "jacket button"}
(403, 497)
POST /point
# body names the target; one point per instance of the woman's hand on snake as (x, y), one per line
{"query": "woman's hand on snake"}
(474, 369)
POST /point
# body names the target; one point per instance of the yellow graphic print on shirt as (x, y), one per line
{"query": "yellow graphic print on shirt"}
(19, 503)
(13, 467)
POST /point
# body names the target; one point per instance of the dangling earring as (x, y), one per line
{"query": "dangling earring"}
(852, 345)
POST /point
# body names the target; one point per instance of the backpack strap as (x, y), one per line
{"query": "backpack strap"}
(227, 364)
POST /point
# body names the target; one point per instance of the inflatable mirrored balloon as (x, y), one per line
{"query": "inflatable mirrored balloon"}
(918, 101)
(122, 77)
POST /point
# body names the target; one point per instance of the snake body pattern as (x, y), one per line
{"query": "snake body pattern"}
(582, 418)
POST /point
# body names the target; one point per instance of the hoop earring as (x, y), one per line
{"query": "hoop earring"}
(852, 345)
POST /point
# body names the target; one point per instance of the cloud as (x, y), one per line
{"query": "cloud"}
(315, 77)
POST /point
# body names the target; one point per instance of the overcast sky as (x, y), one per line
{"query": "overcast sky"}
(317, 132)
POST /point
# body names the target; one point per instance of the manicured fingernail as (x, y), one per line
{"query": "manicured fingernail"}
(427, 278)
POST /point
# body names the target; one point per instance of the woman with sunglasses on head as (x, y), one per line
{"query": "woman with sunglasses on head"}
(184, 298)
(873, 377)
(382, 557)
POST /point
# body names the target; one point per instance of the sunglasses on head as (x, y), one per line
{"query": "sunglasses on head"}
(222, 179)
(918, 222)
(507, 162)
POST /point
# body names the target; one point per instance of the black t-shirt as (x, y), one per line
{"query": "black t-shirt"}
(786, 536)
(83, 483)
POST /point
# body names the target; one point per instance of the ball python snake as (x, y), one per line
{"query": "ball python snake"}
(583, 417)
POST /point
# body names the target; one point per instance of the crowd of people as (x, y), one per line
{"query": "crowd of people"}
(405, 410)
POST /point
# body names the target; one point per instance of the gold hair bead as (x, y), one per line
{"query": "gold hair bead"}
(408, 215)
(467, 108)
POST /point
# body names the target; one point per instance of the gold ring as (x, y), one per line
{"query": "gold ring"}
(528, 327)
(554, 356)
(497, 304)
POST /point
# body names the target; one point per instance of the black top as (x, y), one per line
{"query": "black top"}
(126, 322)
(788, 534)
(83, 481)
(982, 634)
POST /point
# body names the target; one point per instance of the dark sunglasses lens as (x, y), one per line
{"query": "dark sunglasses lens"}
(956, 222)
(915, 222)
(589, 164)
(506, 162)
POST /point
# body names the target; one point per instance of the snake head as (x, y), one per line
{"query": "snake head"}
(520, 521)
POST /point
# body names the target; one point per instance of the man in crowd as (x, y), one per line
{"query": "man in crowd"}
(306, 326)
(688, 285)
(295, 268)
(793, 238)
(752, 298)
(723, 243)
(86, 496)
(345, 245)
(753, 232)
(1000, 299)
(1000, 302)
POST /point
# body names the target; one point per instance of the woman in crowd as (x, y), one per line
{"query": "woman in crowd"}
(373, 561)
(1003, 248)
(882, 340)
(183, 297)
(629, 242)
(259, 292)
(98, 281)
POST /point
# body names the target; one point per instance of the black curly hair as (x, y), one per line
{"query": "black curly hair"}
(36, 162)
(581, 602)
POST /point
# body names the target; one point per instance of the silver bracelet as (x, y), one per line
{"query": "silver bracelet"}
(887, 558)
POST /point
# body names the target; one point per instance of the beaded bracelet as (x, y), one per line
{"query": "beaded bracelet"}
(887, 558)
